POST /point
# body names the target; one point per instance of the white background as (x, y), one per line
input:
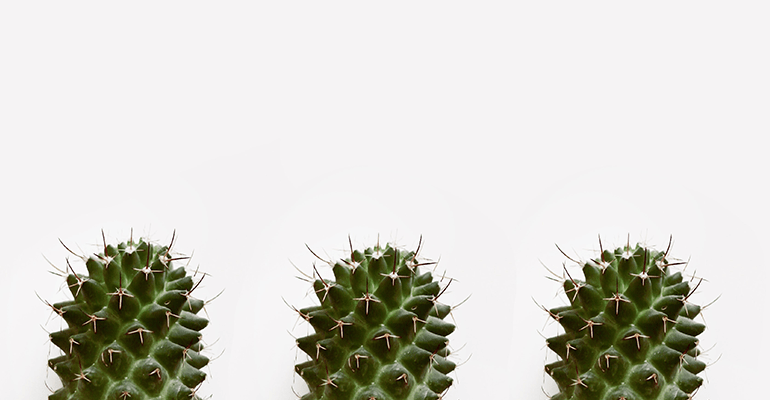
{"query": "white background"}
(494, 130)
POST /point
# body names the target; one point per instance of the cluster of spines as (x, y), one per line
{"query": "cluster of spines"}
(132, 329)
(629, 330)
(379, 331)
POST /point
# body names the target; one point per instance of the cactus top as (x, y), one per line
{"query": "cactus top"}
(379, 331)
(132, 330)
(629, 331)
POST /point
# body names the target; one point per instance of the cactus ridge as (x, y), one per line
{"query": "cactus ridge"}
(132, 330)
(379, 331)
(629, 330)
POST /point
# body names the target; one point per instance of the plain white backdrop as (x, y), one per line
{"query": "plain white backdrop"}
(494, 130)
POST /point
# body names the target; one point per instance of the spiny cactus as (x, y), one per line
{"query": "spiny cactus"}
(629, 329)
(379, 331)
(132, 330)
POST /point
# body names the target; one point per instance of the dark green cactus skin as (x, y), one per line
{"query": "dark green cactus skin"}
(379, 331)
(132, 330)
(629, 331)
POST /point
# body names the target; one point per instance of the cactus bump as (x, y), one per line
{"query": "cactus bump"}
(132, 329)
(379, 331)
(629, 330)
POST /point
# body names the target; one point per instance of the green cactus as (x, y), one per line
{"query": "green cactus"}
(379, 331)
(132, 330)
(630, 332)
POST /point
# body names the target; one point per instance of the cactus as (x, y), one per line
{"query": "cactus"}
(132, 330)
(379, 331)
(629, 329)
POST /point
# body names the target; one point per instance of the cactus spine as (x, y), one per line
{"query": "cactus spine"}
(629, 329)
(379, 331)
(132, 330)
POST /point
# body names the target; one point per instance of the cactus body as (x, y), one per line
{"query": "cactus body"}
(630, 332)
(379, 331)
(132, 330)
